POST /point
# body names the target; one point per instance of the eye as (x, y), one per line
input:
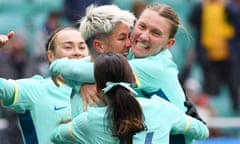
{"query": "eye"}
(141, 26)
(123, 37)
(156, 33)
(68, 47)
(82, 47)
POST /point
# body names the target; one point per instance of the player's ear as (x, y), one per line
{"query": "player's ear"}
(170, 43)
(50, 55)
(98, 45)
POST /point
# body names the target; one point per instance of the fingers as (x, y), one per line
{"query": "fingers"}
(87, 100)
(98, 101)
(5, 38)
(84, 103)
(10, 34)
(86, 92)
(89, 96)
(91, 100)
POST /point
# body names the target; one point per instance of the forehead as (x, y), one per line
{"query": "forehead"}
(120, 29)
(152, 19)
(68, 35)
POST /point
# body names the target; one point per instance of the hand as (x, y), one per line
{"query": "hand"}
(192, 111)
(89, 96)
(5, 38)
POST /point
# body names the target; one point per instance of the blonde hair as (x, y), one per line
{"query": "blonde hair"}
(103, 19)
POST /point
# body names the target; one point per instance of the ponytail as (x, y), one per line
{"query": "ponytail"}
(124, 113)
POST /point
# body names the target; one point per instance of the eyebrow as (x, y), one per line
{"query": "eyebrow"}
(123, 34)
(70, 42)
(82, 42)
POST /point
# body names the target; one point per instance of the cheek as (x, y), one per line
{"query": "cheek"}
(135, 33)
(157, 42)
(133, 36)
(85, 52)
(120, 47)
(157, 46)
(62, 53)
(112, 47)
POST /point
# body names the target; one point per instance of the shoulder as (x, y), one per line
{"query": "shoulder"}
(86, 119)
(157, 103)
(38, 77)
(154, 101)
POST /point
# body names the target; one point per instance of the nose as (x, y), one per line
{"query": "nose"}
(144, 36)
(128, 43)
(77, 53)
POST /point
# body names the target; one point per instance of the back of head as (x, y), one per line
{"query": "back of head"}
(100, 21)
(112, 67)
(124, 113)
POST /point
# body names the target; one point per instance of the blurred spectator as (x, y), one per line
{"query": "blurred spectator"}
(51, 23)
(211, 18)
(75, 9)
(13, 61)
(14, 57)
(193, 90)
(234, 6)
(39, 63)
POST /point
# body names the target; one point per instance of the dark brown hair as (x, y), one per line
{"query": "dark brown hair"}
(124, 113)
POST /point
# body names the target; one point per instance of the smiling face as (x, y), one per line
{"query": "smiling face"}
(118, 41)
(151, 34)
(68, 43)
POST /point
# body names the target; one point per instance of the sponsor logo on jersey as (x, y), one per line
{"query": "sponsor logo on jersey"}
(59, 108)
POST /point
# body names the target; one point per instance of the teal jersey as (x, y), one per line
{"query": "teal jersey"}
(91, 127)
(47, 103)
(71, 75)
(76, 102)
(76, 98)
(159, 72)
(152, 73)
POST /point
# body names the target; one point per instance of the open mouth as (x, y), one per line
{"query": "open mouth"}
(142, 45)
